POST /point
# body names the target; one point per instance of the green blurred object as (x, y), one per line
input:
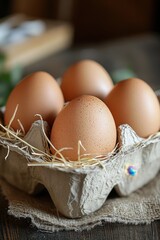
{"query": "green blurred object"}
(120, 74)
(8, 80)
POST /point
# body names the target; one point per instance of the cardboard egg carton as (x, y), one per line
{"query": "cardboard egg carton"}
(79, 191)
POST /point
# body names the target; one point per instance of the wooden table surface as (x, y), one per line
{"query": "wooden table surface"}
(142, 54)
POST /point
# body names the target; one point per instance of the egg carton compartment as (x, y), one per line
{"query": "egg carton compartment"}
(79, 191)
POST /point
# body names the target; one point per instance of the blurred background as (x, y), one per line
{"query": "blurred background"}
(92, 20)
(121, 35)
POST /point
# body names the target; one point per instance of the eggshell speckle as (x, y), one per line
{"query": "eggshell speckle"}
(86, 119)
(38, 93)
(132, 101)
(86, 77)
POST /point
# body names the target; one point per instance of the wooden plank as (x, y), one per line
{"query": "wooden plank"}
(57, 36)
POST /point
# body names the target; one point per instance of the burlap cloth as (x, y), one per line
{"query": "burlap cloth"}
(142, 206)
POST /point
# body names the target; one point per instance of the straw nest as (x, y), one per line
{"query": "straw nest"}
(17, 137)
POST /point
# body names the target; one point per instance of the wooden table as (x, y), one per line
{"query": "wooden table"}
(142, 54)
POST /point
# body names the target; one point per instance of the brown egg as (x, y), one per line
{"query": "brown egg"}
(86, 77)
(38, 93)
(86, 119)
(133, 102)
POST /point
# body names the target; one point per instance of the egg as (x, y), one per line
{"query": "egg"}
(88, 120)
(133, 102)
(38, 93)
(86, 77)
